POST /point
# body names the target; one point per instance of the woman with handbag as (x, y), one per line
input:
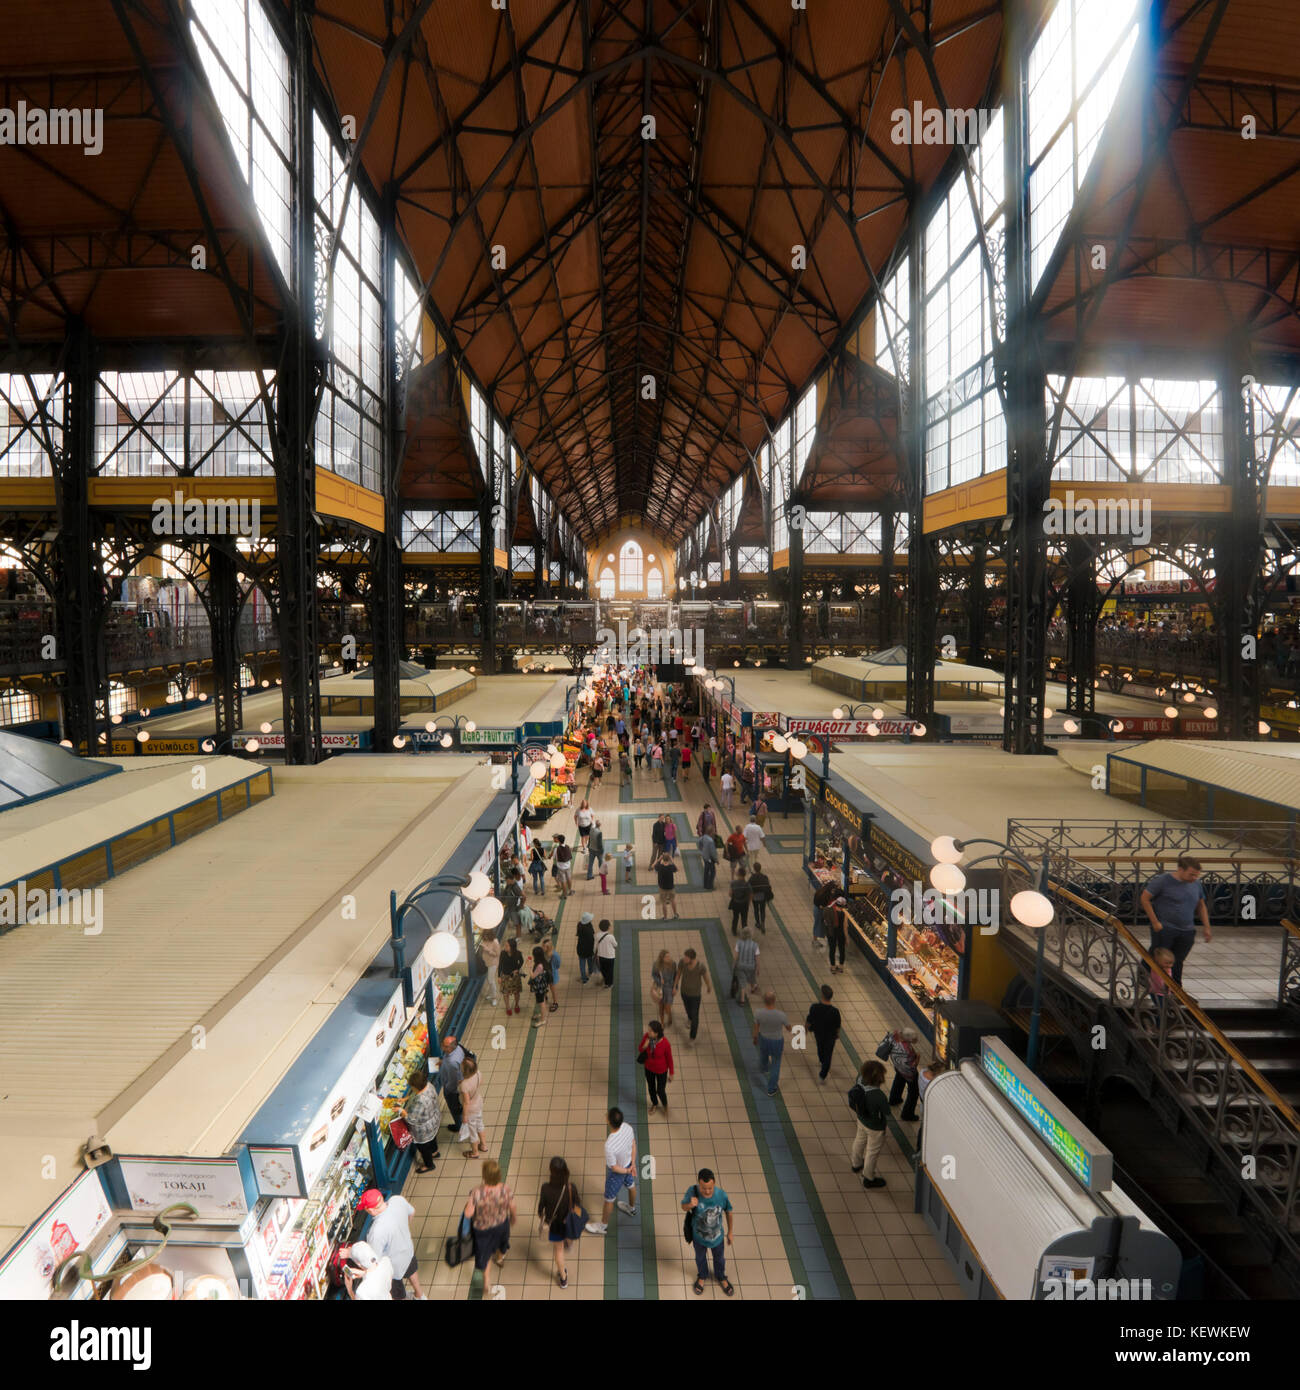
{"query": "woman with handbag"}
(541, 985)
(655, 1054)
(663, 984)
(422, 1113)
(562, 1215)
(491, 1212)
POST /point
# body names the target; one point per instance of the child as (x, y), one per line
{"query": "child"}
(629, 862)
(606, 865)
(1158, 980)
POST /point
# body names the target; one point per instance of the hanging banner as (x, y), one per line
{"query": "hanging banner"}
(265, 741)
(213, 1185)
(71, 1224)
(850, 728)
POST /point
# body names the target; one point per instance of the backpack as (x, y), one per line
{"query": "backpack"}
(741, 893)
(688, 1225)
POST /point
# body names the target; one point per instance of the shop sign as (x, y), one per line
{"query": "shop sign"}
(321, 1137)
(27, 1271)
(990, 723)
(213, 1185)
(1160, 586)
(494, 738)
(126, 747)
(851, 728)
(850, 816)
(1082, 1153)
(898, 858)
(765, 720)
(275, 1171)
(327, 740)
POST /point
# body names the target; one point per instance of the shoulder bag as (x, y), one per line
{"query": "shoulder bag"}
(688, 1225)
(460, 1246)
(886, 1047)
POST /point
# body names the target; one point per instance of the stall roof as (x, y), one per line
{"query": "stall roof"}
(31, 768)
(881, 667)
(1265, 772)
(245, 938)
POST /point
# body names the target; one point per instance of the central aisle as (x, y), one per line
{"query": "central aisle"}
(804, 1226)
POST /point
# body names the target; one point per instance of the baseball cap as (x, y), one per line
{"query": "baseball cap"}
(370, 1199)
(362, 1256)
(586, 917)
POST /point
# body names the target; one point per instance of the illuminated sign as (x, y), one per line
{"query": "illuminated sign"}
(851, 728)
(1081, 1152)
(895, 855)
(265, 741)
(849, 815)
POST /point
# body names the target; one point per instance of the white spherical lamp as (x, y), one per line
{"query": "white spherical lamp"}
(779, 744)
(947, 878)
(487, 913)
(443, 950)
(944, 849)
(1032, 908)
(479, 886)
(445, 740)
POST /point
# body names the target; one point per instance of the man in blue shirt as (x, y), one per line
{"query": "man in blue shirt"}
(710, 1204)
(1172, 902)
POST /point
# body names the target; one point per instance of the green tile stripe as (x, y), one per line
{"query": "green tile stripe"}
(715, 945)
(475, 1294)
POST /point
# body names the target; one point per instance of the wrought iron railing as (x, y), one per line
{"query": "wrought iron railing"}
(1288, 979)
(1252, 1125)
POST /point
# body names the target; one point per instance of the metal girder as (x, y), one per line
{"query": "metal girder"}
(1220, 105)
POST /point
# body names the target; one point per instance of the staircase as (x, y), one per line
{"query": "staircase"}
(1269, 1037)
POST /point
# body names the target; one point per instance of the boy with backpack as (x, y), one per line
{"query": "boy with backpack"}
(871, 1108)
(734, 850)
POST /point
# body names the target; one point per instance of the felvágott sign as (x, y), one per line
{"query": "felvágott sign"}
(851, 728)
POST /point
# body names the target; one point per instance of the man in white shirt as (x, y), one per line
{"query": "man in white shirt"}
(754, 838)
(728, 787)
(606, 947)
(376, 1281)
(620, 1170)
(390, 1235)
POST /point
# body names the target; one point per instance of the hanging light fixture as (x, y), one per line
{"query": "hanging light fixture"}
(1031, 908)
(479, 886)
(443, 950)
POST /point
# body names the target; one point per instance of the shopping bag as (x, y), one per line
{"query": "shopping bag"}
(400, 1132)
(459, 1246)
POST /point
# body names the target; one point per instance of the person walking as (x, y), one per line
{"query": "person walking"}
(1173, 902)
(746, 966)
(557, 1201)
(734, 849)
(422, 1113)
(658, 837)
(620, 1170)
(686, 763)
(657, 755)
(624, 768)
(663, 981)
(708, 848)
(491, 1212)
(541, 985)
(562, 867)
(658, 1064)
(906, 1064)
(510, 973)
(629, 863)
(537, 867)
(583, 818)
(552, 959)
(760, 894)
(606, 948)
(708, 1204)
(490, 949)
(871, 1109)
(823, 1022)
(706, 822)
(666, 872)
(471, 1099)
(586, 947)
(738, 900)
(595, 848)
(389, 1236)
(670, 836)
(760, 810)
(693, 978)
(639, 752)
(770, 1028)
(449, 1074)
(728, 789)
(706, 763)
(834, 924)
(607, 867)
(754, 838)
(512, 899)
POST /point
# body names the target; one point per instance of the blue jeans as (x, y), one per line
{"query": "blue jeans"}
(586, 965)
(719, 1260)
(769, 1054)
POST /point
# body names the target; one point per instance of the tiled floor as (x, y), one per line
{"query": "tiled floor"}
(804, 1227)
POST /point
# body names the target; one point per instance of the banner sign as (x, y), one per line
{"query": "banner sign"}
(1081, 1152)
(850, 728)
(213, 1185)
(275, 1171)
(71, 1224)
(850, 817)
(766, 720)
(494, 738)
(265, 741)
(899, 859)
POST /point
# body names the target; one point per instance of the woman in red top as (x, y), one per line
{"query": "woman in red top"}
(658, 1064)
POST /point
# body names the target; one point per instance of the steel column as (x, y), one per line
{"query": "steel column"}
(885, 613)
(1082, 609)
(794, 595)
(223, 620)
(922, 550)
(976, 603)
(1238, 554)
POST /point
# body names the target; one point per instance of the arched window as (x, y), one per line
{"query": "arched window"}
(629, 567)
(607, 583)
(654, 584)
